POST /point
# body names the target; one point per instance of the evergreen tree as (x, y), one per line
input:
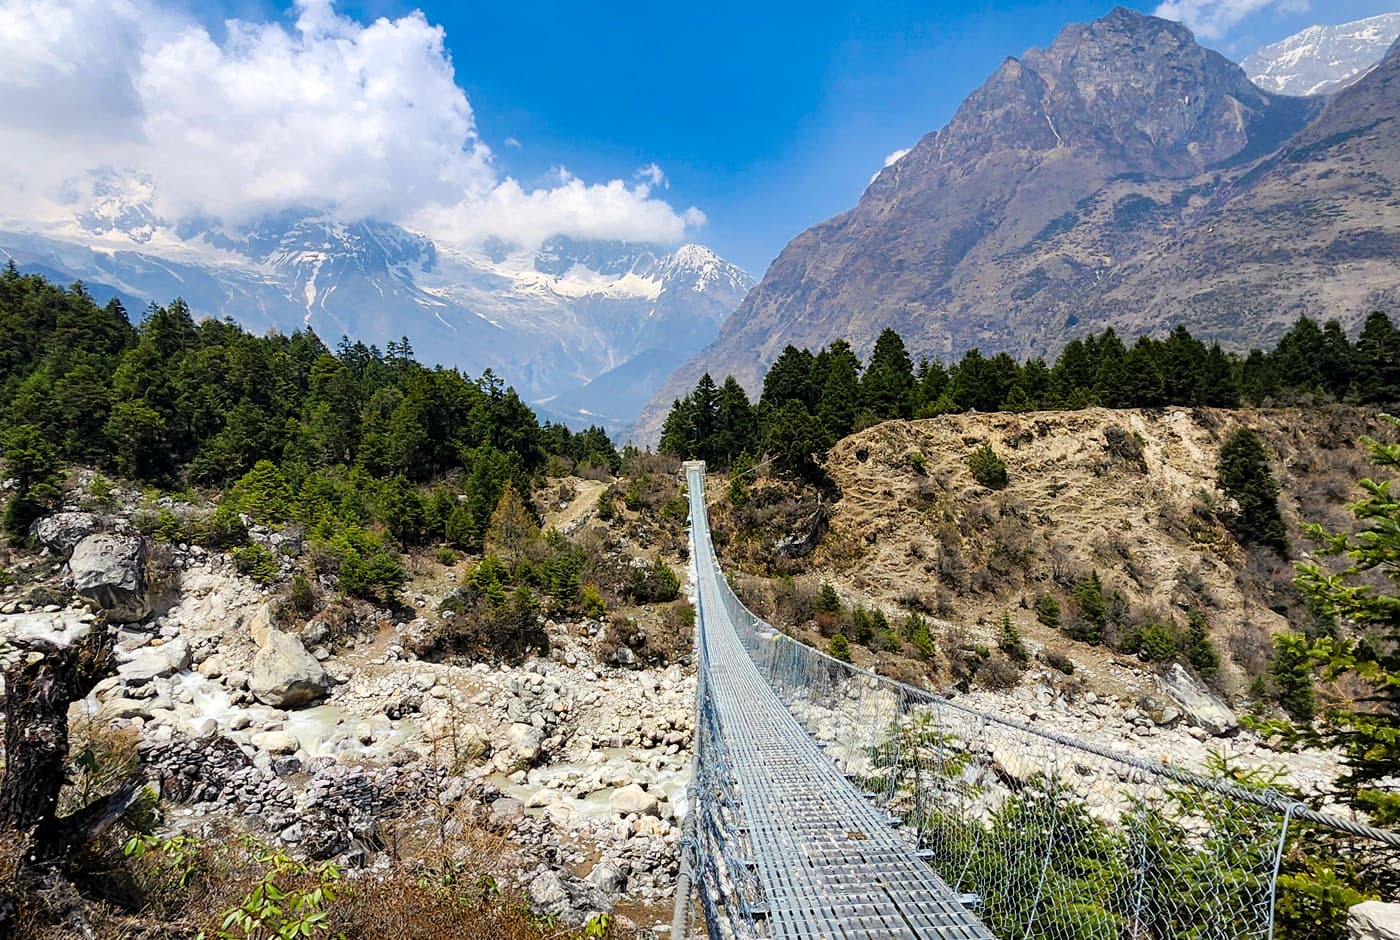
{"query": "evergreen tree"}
(1378, 360)
(1244, 475)
(736, 426)
(840, 393)
(887, 386)
(31, 462)
(1369, 728)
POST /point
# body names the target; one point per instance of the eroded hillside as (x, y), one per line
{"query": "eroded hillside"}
(1128, 495)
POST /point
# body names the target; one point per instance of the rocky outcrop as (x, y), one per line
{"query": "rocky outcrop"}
(1201, 709)
(62, 531)
(1374, 920)
(109, 570)
(285, 675)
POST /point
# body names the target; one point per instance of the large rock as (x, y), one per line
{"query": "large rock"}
(526, 741)
(633, 799)
(1374, 920)
(1200, 707)
(285, 675)
(62, 531)
(110, 570)
(156, 662)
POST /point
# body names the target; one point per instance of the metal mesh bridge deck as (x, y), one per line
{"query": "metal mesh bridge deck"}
(828, 862)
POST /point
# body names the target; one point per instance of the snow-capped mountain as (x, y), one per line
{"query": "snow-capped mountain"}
(586, 330)
(1323, 59)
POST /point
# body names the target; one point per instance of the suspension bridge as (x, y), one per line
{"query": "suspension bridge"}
(832, 802)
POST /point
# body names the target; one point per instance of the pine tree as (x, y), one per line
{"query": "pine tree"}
(1369, 730)
(839, 648)
(887, 387)
(1244, 475)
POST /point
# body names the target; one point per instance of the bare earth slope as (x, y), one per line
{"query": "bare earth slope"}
(940, 541)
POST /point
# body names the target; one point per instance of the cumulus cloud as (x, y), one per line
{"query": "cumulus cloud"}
(1213, 19)
(358, 120)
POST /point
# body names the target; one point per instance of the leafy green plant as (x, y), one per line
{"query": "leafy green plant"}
(1047, 610)
(256, 562)
(179, 854)
(839, 648)
(987, 468)
(591, 602)
(282, 905)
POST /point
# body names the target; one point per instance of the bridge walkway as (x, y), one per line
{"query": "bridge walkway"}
(830, 863)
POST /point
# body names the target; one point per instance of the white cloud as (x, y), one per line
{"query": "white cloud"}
(359, 120)
(1213, 19)
(890, 160)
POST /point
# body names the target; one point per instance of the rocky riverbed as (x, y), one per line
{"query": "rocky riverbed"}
(328, 744)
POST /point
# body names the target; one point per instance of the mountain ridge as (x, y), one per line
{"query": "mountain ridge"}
(1059, 192)
(550, 320)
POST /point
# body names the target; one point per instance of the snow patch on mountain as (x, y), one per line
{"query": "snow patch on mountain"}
(550, 320)
(1323, 59)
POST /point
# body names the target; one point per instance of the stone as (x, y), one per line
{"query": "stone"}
(548, 894)
(122, 709)
(110, 571)
(285, 675)
(276, 742)
(62, 531)
(156, 663)
(1199, 707)
(525, 741)
(507, 809)
(608, 878)
(1374, 920)
(632, 799)
(262, 625)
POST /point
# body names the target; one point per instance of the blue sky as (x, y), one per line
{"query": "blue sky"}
(766, 117)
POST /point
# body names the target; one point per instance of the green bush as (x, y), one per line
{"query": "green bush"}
(1158, 643)
(915, 630)
(839, 648)
(1200, 652)
(591, 602)
(303, 598)
(1009, 640)
(657, 583)
(256, 562)
(1291, 670)
(1047, 610)
(987, 468)
(607, 509)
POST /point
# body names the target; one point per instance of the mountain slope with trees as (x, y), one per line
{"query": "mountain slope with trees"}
(1124, 177)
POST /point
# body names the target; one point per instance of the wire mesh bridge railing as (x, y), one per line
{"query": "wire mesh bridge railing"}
(1035, 834)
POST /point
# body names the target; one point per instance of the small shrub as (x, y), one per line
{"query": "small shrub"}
(1291, 670)
(998, 674)
(607, 509)
(1200, 651)
(657, 583)
(303, 598)
(915, 630)
(1047, 611)
(839, 648)
(827, 601)
(447, 557)
(987, 468)
(1158, 643)
(591, 602)
(221, 530)
(1009, 640)
(255, 561)
(1059, 661)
